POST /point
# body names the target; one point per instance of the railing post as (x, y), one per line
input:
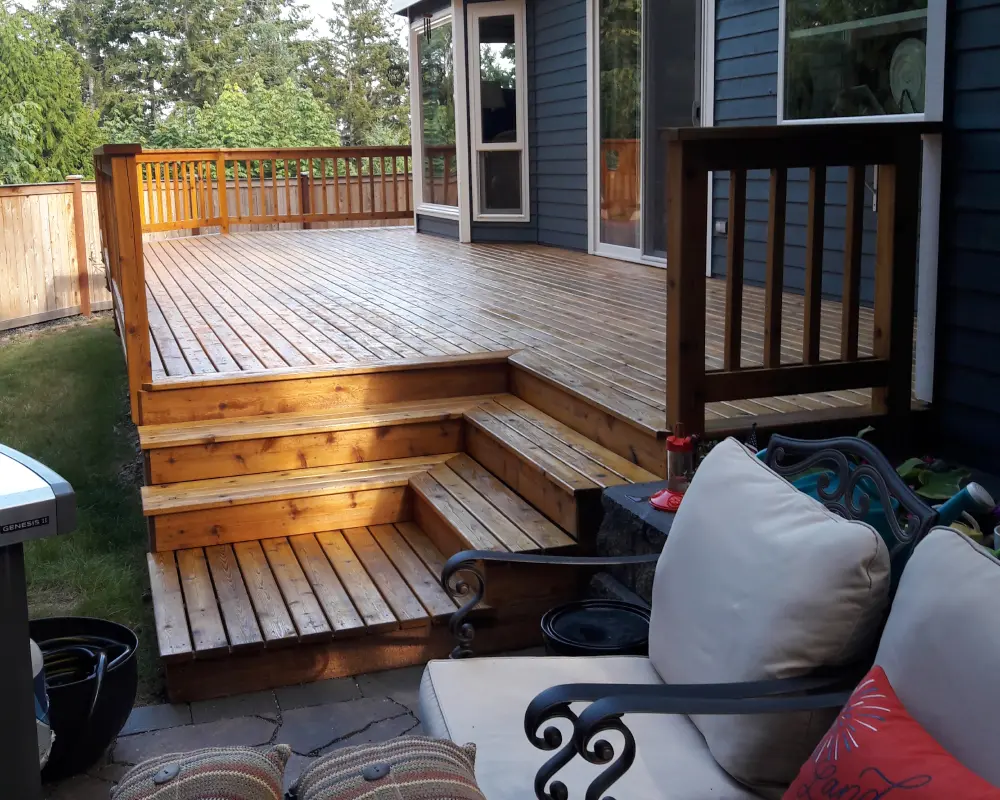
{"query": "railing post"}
(687, 199)
(80, 240)
(130, 268)
(223, 188)
(305, 198)
(895, 279)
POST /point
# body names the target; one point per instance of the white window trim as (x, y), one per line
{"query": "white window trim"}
(417, 120)
(937, 11)
(476, 12)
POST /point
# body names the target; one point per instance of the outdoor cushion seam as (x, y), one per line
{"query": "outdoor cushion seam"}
(437, 701)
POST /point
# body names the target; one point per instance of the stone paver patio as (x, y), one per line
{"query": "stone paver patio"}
(313, 719)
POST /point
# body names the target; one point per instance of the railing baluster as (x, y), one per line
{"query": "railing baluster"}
(322, 180)
(288, 190)
(274, 186)
(815, 226)
(851, 294)
(336, 185)
(734, 269)
(223, 188)
(775, 276)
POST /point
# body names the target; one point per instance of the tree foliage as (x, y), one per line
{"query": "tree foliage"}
(46, 132)
(361, 71)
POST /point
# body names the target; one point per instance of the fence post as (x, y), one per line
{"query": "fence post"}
(127, 230)
(80, 239)
(220, 179)
(687, 199)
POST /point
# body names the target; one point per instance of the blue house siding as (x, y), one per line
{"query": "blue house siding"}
(438, 226)
(557, 129)
(967, 370)
(746, 93)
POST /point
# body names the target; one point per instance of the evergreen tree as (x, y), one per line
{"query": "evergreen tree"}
(361, 71)
(46, 132)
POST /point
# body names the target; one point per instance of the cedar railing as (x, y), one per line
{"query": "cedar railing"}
(118, 206)
(180, 189)
(441, 190)
(692, 153)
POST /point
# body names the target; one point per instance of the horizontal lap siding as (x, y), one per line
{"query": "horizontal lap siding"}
(438, 226)
(746, 93)
(559, 138)
(967, 375)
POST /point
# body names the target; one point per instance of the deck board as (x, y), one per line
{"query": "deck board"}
(281, 299)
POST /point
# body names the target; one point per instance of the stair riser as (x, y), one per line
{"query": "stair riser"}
(319, 394)
(448, 540)
(526, 480)
(245, 523)
(619, 437)
(225, 459)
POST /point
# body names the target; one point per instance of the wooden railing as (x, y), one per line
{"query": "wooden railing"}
(181, 189)
(619, 178)
(692, 153)
(119, 206)
(440, 189)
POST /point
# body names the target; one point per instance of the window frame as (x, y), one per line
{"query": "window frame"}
(438, 19)
(477, 11)
(937, 12)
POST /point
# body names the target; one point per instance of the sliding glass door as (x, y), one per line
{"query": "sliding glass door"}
(619, 115)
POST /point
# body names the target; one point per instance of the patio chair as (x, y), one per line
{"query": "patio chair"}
(767, 608)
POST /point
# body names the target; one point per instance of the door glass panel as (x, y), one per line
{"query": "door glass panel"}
(620, 41)
(437, 97)
(498, 79)
(500, 181)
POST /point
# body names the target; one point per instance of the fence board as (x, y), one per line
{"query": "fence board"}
(39, 273)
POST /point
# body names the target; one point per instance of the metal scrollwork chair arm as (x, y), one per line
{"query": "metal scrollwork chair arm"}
(554, 703)
(606, 715)
(464, 580)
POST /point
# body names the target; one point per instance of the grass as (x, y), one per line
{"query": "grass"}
(63, 401)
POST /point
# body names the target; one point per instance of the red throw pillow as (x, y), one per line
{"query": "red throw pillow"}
(875, 749)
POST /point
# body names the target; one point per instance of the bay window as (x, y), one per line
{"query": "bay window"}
(432, 65)
(498, 111)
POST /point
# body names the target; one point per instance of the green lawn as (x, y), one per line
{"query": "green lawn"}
(63, 400)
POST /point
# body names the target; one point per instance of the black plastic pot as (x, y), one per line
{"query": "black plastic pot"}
(596, 628)
(87, 715)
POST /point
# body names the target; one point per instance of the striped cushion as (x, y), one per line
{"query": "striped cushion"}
(234, 773)
(407, 768)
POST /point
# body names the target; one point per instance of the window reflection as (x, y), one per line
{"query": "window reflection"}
(437, 97)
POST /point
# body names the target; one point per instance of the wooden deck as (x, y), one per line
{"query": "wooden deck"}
(296, 299)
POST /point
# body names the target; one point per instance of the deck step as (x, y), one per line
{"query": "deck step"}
(462, 506)
(274, 504)
(559, 471)
(204, 449)
(314, 587)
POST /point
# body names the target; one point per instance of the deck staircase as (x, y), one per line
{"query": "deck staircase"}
(291, 545)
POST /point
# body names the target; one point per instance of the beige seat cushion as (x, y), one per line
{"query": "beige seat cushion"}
(483, 700)
(941, 647)
(758, 580)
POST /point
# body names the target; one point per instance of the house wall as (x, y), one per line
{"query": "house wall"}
(437, 226)
(557, 129)
(967, 370)
(746, 93)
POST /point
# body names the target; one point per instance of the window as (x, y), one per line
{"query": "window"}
(854, 59)
(433, 98)
(499, 112)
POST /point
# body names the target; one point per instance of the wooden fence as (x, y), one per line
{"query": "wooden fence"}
(50, 262)
(692, 154)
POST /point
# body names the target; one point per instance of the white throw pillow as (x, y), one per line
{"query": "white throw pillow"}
(758, 580)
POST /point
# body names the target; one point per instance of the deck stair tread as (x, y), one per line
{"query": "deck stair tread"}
(214, 431)
(571, 461)
(482, 513)
(307, 588)
(287, 484)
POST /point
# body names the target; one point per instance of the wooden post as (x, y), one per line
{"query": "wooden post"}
(223, 189)
(687, 200)
(131, 268)
(80, 238)
(305, 199)
(895, 280)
